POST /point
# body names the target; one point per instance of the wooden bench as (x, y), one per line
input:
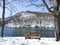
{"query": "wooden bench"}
(32, 36)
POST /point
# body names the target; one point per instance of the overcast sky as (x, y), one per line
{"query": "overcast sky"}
(20, 8)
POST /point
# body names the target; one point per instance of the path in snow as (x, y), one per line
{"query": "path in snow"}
(23, 41)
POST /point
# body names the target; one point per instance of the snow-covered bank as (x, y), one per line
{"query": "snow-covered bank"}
(23, 41)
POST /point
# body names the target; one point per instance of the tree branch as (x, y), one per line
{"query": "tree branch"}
(7, 8)
(47, 6)
(6, 2)
(37, 5)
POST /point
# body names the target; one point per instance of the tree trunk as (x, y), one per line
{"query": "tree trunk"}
(3, 14)
(57, 27)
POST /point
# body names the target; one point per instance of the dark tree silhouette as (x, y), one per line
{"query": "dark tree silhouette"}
(3, 14)
(56, 14)
(4, 5)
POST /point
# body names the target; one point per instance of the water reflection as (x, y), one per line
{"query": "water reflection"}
(21, 31)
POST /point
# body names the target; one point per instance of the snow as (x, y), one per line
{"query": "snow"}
(26, 16)
(23, 41)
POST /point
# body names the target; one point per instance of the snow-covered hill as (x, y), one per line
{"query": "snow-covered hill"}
(32, 19)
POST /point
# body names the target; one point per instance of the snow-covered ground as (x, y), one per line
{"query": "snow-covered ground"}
(23, 41)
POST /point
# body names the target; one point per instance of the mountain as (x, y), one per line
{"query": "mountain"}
(29, 18)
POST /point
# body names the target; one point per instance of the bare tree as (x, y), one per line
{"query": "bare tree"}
(56, 14)
(3, 4)
(3, 14)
